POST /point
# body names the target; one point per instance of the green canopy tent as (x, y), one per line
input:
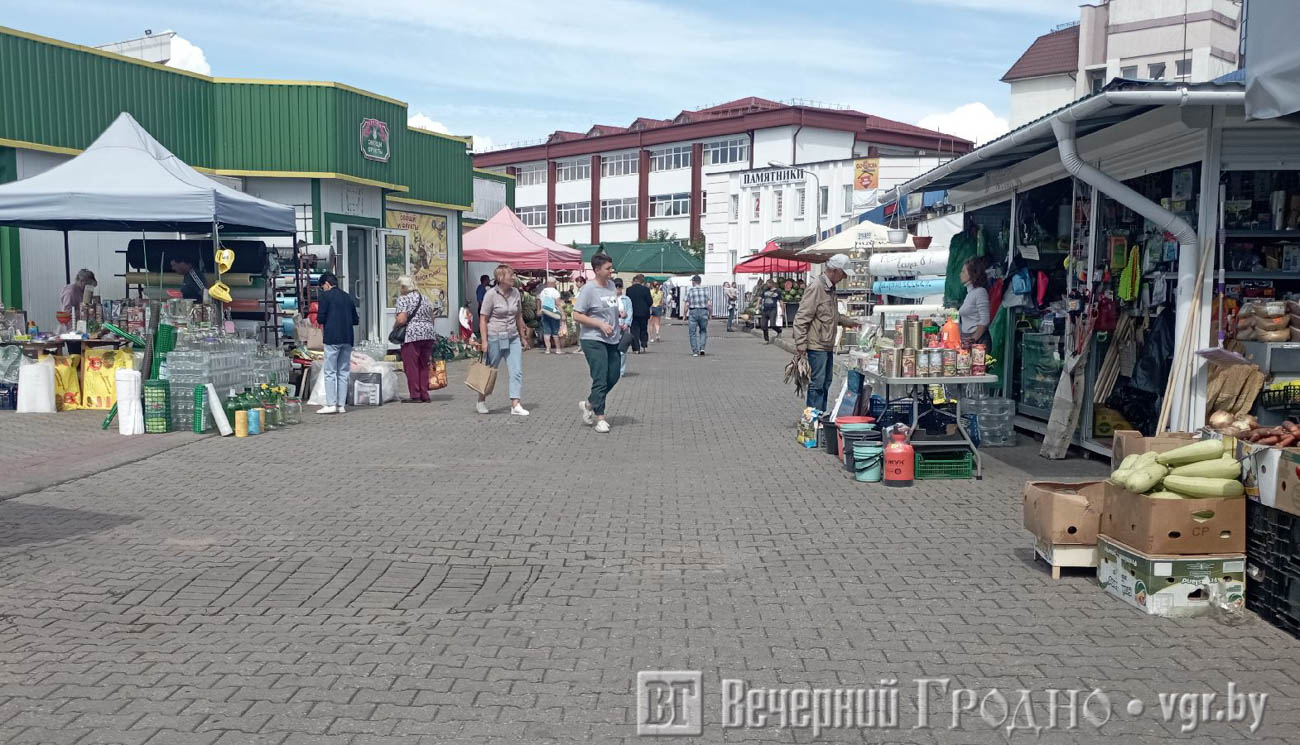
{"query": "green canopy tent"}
(666, 257)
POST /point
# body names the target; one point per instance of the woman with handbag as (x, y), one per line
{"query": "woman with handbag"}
(551, 317)
(413, 329)
(502, 329)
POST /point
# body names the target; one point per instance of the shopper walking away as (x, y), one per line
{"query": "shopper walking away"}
(769, 306)
(642, 305)
(551, 317)
(815, 325)
(974, 311)
(698, 309)
(624, 326)
(502, 329)
(529, 306)
(656, 309)
(417, 347)
(730, 291)
(336, 312)
(596, 311)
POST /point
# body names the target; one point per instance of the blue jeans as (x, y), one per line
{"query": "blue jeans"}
(731, 317)
(338, 366)
(820, 384)
(699, 328)
(513, 352)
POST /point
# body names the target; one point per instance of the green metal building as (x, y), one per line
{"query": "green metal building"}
(362, 181)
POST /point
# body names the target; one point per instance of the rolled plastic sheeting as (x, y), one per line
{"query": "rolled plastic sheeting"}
(130, 410)
(218, 414)
(36, 387)
(927, 261)
(914, 288)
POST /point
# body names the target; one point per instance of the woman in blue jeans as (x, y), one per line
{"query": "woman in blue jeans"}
(502, 329)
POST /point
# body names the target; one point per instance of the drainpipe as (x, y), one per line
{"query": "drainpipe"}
(1189, 244)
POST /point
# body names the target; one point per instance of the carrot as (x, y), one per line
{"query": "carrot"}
(1270, 440)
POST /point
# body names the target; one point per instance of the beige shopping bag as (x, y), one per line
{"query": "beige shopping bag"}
(482, 377)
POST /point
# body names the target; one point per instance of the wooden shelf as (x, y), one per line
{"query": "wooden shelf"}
(1239, 233)
(1263, 275)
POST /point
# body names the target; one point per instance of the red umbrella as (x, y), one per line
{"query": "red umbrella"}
(764, 262)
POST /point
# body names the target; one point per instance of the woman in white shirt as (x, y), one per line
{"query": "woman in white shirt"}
(974, 311)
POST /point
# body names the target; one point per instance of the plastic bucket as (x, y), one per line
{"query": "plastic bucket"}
(831, 437)
(850, 440)
(868, 459)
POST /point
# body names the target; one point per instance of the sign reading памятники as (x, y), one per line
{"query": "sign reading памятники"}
(771, 176)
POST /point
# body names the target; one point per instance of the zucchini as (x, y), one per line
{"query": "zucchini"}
(1129, 461)
(1226, 467)
(1197, 451)
(1165, 495)
(1204, 487)
(1146, 477)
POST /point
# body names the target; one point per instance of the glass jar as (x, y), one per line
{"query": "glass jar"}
(292, 411)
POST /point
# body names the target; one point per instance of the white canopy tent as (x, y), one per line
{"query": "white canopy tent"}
(126, 181)
(859, 237)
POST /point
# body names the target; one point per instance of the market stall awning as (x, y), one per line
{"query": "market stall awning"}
(505, 239)
(662, 257)
(126, 181)
(767, 262)
(858, 237)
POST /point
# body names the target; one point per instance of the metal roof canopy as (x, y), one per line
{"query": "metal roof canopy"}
(1120, 101)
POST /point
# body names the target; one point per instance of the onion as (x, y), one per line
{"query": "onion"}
(1221, 419)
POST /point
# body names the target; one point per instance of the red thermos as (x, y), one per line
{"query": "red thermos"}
(900, 460)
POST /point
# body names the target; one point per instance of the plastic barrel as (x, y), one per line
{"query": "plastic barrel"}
(868, 459)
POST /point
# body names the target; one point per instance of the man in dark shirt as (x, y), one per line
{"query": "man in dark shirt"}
(639, 294)
(484, 284)
(336, 313)
(767, 309)
(193, 285)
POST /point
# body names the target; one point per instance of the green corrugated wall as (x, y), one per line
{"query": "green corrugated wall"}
(11, 264)
(64, 97)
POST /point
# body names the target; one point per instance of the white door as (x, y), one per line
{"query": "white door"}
(397, 262)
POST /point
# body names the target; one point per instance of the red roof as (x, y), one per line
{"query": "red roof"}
(561, 135)
(645, 122)
(1050, 54)
(600, 130)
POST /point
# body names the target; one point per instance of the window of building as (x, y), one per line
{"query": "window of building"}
(1183, 68)
(1156, 71)
(670, 158)
(1096, 79)
(825, 193)
(848, 198)
(612, 210)
(530, 175)
(778, 204)
(303, 222)
(735, 207)
(726, 151)
(758, 206)
(704, 202)
(623, 164)
(573, 170)
(572, 213)
(800, 202)
(533, 217)
(670, 205)
(1130, 72)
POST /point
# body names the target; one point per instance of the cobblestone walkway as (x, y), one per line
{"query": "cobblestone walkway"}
(425, 574)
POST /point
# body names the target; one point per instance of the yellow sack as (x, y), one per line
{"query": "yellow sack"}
(67, 382)
(98, 376)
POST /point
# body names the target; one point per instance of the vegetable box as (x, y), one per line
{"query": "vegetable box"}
(1059, 513)
(1128, 442)
(1174, 526)
(1165, 585)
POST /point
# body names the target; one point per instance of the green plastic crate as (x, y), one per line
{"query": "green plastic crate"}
(947, 465)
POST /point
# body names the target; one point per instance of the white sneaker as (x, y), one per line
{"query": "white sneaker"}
(343, 410)
(695, 354)
(481, 407)
(327, 410)
(518, 410)
(602, 426)
(588, 416)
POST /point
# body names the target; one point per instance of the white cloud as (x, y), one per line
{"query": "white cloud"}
(188, 56)
(972, 121)
(482, 143)
(1066, 10)
(423, 121)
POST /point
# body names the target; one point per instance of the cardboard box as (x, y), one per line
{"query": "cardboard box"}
(1163, 585)
(1129, 441)
(1286, 491)
(1059, 513)
(1174, 526)
(1260, 470)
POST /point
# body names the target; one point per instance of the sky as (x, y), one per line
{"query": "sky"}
(513, 71)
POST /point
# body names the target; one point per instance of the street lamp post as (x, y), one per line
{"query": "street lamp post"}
(817, 195)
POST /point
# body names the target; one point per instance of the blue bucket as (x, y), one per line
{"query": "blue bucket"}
(868, 460)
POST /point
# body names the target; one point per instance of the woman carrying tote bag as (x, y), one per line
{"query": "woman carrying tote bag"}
(502, 329)
(414, 326)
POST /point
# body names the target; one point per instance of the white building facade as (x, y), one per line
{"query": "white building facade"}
(1186, 40)
(736, 175)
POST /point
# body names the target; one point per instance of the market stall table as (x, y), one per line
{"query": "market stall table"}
(911, 384)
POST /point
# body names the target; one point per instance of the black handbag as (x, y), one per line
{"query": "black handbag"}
(398, 334)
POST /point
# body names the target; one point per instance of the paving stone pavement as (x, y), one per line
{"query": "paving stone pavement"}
(423, 574)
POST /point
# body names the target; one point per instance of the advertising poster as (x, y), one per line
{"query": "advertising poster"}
(428, 250)
(866, 174)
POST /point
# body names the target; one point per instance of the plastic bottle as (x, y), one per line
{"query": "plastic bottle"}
(952, 333)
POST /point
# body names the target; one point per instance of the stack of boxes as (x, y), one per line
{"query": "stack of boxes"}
(1273, 534)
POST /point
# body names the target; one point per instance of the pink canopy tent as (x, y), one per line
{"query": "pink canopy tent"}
(771, 260)
(504, 239)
